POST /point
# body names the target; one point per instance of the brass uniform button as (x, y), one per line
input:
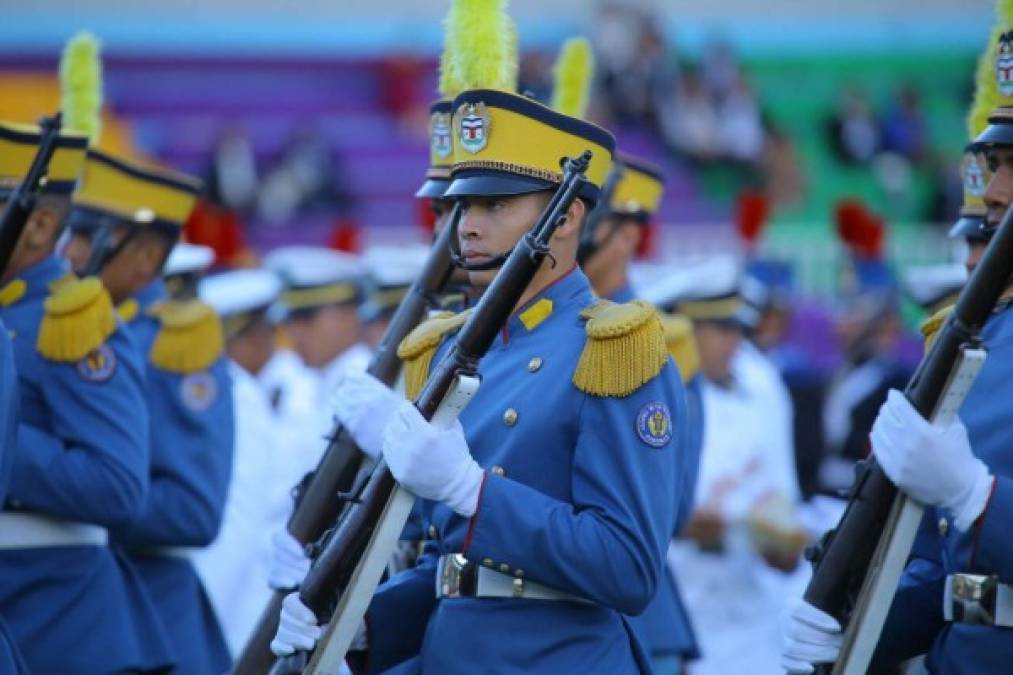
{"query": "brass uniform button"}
(504, 568)
(498, 471)
(487, 562)
(432, 532)
(944, 527)
(510, 417)
(534, 364)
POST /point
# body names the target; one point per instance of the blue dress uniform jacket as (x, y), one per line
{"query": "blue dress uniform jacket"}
(915, 623)
(191, 463)
(664, 628)
(575, 498)
(82, 455)
(10, 659)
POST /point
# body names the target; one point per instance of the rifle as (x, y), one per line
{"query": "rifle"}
(587, 245)
(320, 501)
(853, 570)
(352, 562)
(22, 200)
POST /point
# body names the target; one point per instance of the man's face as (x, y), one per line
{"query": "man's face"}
(133, 267)
(617, 240)
(999, 192)
(253, 347)
(492, 226)
(975, 250)
(717, 343)
(441, 209)
(321, 335)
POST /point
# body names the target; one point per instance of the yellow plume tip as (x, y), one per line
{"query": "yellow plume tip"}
(482, 51)
(81, 85)
(573, 72)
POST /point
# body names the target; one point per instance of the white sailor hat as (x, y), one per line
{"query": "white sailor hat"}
(315, 276)
(186, 258)
(703, 289)
(239, 296)
(935, 286)
(390, 272)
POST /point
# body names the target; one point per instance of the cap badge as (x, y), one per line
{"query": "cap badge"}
(439, 135)
(1004, 64)
(974, 180)
(474, 126)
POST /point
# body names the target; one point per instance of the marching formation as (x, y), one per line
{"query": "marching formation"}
(513, 450)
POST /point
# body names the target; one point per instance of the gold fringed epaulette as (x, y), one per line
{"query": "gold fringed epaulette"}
(79, 318)
(625, 348)
(191, 337)
(419, 346)
(681, 344)
(930, 327)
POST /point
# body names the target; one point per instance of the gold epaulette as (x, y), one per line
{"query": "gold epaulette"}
(931, 325)
(419, 346)
(78, 319)
(191, 337)
(681, 344)
(625, 348)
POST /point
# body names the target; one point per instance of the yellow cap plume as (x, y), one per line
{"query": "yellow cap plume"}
(573, 71)
(1004, 12)
(986, 91)
(81, 86)
(482, 53)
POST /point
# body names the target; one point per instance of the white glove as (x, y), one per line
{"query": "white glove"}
(297, 629)
(432, 463)
(808, 636)
(289, 562)
(364, 406)
(932, 464)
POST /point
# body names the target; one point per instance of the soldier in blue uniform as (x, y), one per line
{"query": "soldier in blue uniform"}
(665, 628)
(560, 505)
(80, 464)
(607, 252)
(954, 599)
(130, 215)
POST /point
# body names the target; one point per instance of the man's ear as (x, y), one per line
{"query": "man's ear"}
(575, 216)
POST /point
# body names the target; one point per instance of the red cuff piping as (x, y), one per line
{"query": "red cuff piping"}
(474, 518)
(978, 523)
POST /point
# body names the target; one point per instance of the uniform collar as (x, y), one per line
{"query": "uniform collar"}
(571, 288)
(41, 275)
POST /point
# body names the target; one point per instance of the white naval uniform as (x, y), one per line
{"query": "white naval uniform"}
(734, 598)
(234, 568)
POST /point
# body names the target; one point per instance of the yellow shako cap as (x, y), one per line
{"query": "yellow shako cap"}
(18, 145)
(113, 190)
(638, 192)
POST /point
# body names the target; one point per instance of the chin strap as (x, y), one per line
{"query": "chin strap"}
(458, 260)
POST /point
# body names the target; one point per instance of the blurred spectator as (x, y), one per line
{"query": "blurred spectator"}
(780, 167)
(231, 179)
(903, 126)
(854, 134)
(535, 77)
(307, 179)
(720, 69)
(690, 122)
(739, 122)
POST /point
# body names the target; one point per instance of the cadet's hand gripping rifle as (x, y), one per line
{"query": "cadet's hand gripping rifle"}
(319, 504)
(22, 201)
(856, 572)
(352, 562)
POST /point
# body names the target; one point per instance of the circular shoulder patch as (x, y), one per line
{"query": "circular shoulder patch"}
(654, 424)
(98, 366)
(198, 391)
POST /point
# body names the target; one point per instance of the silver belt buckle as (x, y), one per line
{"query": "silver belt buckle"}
(973, 598)
(451, 569)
